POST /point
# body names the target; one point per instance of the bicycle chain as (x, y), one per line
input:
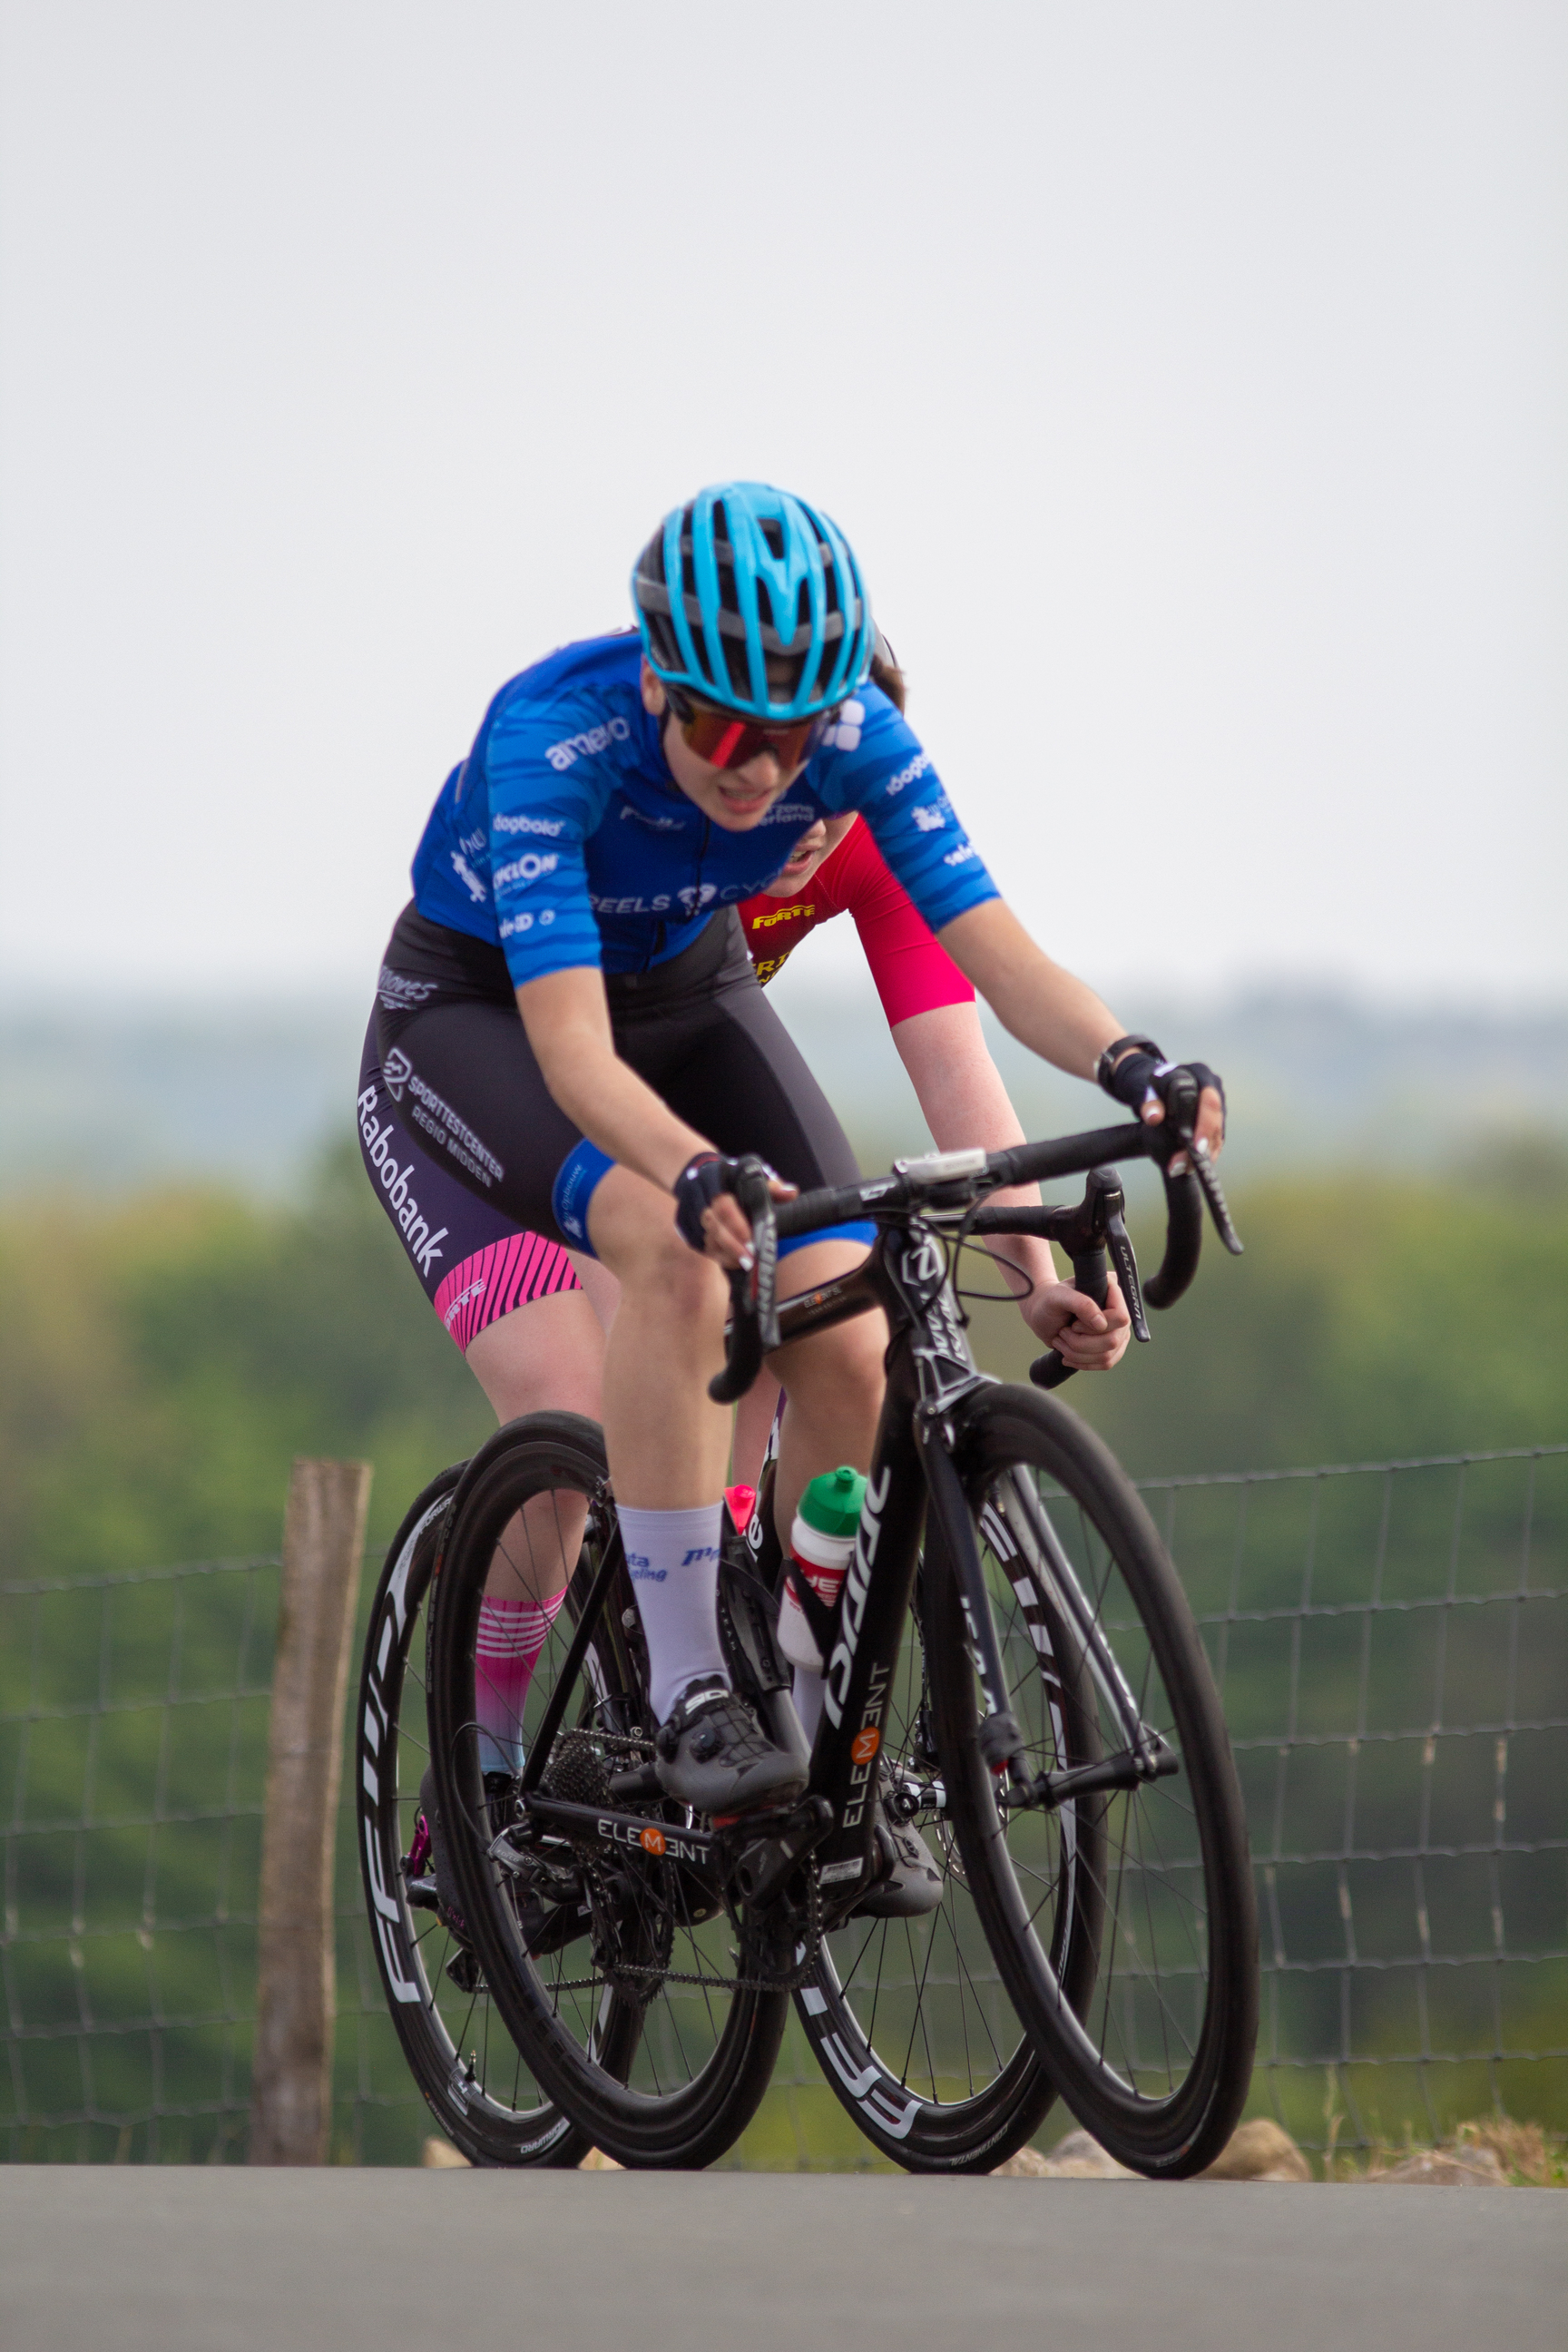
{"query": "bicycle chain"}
(790, 1982)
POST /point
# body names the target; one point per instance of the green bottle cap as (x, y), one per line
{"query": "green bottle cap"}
(831, 1504)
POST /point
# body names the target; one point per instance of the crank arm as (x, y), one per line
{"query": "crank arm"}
(762, 1866)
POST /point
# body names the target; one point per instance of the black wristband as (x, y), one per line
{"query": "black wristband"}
(1104, 1069)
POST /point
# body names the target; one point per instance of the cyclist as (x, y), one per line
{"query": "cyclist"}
(540, 1357)
(578, 869)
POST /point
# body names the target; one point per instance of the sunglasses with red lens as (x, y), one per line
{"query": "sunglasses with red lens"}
(726, 739)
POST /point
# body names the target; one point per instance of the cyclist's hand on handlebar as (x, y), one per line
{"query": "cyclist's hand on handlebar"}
(1090, 1338)
(708, 1217)
(1136, 1072)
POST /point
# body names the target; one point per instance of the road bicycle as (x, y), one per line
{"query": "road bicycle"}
(1012, 1668)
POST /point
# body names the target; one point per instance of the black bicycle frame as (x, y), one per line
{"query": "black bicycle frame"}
(930, 1373)
(932, 1381)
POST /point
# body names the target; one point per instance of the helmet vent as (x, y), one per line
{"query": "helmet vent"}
(748, 596)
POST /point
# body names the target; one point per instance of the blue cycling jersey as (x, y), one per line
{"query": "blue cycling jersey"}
(564, 838)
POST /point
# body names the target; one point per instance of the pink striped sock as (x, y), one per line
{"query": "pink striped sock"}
(512, 1635)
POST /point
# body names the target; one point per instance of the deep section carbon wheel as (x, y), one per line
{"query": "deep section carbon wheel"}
(645, 2005)
(482, 2095)
(909, 2018)
(1155, 2062)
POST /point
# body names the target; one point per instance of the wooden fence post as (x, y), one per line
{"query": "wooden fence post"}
(323, 1539)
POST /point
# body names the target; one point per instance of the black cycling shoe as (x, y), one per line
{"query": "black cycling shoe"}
(907, 1883)
(713, 1756)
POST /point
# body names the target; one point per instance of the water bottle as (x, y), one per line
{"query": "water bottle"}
(823, 1542)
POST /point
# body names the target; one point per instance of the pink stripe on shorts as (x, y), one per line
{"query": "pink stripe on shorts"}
(508, 1274)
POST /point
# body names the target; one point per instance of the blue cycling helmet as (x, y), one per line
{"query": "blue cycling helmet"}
(751, 599)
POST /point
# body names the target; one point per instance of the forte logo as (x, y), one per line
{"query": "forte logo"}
(865, 1744)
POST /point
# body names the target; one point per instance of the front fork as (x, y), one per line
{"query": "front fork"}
(1144, 1755)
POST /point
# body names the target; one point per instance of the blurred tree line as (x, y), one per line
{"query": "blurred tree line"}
(162, 1359)
(1372, 1318)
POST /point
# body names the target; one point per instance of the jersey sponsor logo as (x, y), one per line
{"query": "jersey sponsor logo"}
(961, 856)
(792, 813)
(472, 843)
(698, 895)
(399, 991)
(378, 1136)
(844, 735)
(791, 914)
(528, 868)
(916, 767)
(930, 820)
(514, 924)
(548, 825)
(466, 874)
(659, 905)
(396, 1070)
(573, 748)
(654, 823)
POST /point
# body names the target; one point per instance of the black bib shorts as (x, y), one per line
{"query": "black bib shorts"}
(463, 1140)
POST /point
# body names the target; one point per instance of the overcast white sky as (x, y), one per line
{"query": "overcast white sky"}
(1192, 380)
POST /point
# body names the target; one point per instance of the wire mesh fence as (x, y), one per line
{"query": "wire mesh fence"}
(133, 1716)
(1392, 1643)
(1392, 1648)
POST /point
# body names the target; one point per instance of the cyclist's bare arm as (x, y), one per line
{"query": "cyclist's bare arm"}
(567, 1017)
(1047, 1009)
(965, 1101)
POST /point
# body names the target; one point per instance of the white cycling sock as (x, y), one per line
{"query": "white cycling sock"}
(807, 1697)
(673, 1557)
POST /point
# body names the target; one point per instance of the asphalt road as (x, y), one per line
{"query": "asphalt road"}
(160, 2259)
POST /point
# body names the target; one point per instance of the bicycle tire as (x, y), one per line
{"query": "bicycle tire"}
(909, 2018)
(656, 2072)
(1157, 2062)
(482, 2100)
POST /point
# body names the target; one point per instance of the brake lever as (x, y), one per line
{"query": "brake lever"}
(1118, 1242)
(1086, 1232)
(754, 1193)
(753, 1289)
(1180, 1126)
(1209, 1184)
